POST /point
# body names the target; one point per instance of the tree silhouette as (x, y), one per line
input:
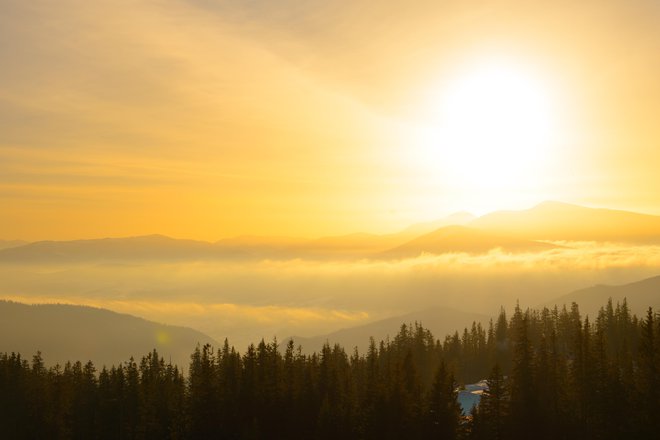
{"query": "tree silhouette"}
(563, 377)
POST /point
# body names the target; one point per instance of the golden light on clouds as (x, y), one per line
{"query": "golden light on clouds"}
(212, 119)
(248, 301)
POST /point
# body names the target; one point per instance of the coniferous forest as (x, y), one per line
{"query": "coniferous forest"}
(552, 374)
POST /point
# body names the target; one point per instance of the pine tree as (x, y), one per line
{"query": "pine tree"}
(648, 382)
(229, 367)
(568, 379)
(492, 412)
(524, 414)
(443, 411)
(130, 404)
(203, 393)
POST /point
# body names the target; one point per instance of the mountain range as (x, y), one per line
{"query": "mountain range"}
(441, 321)
(67, 332)
(557, 221)
(511, 231)
(639, 295)
(452, 239)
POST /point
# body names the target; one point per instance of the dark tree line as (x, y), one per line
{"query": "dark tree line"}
(551, 374)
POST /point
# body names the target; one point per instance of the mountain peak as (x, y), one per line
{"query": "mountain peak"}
(559, 221)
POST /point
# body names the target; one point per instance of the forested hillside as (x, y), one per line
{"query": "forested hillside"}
(68, 332)
(552, 374)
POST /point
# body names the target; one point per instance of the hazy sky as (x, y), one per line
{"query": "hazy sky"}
(207, 119)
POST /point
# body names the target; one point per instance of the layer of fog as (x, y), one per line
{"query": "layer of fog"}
(247, 301)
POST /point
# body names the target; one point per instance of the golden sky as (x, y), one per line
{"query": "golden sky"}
(207, 119)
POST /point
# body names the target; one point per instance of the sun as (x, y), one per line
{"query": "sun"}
(494, 129)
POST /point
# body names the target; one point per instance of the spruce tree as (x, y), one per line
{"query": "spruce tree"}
(443, 411)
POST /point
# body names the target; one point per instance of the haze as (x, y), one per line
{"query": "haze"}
(248, 289)
(329, 219)
(212, 119)
(293, 168)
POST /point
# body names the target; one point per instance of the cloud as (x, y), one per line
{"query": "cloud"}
(241, 324)
(248, 301)
(221, 117)
(161, 109)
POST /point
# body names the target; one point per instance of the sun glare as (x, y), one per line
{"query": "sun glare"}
(494, 128)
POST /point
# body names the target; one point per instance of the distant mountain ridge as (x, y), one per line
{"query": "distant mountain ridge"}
(162, 248)
(640, 295)
(6, 244)
(512, 231)
(530, 230)
(158, 247)
(460, 218)
(559, 221)
(452, 239)
(69, 332)
(440, 321)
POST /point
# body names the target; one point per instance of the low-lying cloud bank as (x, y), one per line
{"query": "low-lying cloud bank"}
(248, 301)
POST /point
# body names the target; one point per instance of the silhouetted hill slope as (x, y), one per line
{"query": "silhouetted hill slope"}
(6, 244)
(639, 295)
(149, 247)
(562, 221)
(67, 332)
(365, 244)
(162, 248)
(252, 246)
(457, 219)
(512, 231)
(463, 239)
(358, 244)
(440, 321)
